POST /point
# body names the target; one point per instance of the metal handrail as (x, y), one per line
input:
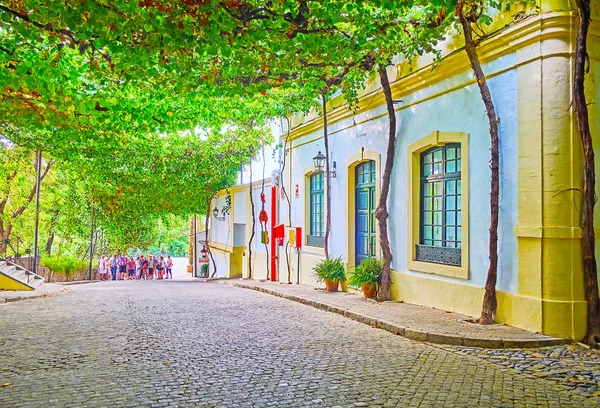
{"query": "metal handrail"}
(16, 265)
(19, 266)
(17, 240)
(16, 253)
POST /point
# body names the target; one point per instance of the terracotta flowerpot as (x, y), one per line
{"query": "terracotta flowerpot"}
(190, 268)
(332, 286)
(369, 290)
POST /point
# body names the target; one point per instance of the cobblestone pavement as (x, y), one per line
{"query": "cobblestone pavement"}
(572, 366)
(412, 321)
(191, 344)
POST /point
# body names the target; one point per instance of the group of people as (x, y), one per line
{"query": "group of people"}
(121, 267)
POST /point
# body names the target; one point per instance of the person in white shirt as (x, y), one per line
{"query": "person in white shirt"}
(102, 268)
(151, 267)
(169, 266)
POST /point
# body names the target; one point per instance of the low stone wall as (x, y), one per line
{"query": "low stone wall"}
(50, 276)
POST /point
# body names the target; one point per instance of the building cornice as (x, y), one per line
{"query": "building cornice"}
(534, 29)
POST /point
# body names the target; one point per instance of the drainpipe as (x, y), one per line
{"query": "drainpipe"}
(276, 176)
(290, 189)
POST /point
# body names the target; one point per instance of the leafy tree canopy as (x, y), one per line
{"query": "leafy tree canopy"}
(157, 102)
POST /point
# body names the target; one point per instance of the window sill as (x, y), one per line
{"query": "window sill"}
(439, 269)
(438, 255)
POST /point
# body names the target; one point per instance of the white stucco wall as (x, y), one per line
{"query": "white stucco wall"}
(460, 110)
(239, 204)
(222, 266)
(444, 107)
(220, 228)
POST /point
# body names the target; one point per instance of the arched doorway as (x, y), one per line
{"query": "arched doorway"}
(365, 202)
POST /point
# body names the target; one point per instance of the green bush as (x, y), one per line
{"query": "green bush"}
(367, 273)
(330, 269)
(64, 265)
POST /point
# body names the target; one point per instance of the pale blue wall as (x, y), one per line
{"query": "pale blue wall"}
(463, 111)
(460, 110)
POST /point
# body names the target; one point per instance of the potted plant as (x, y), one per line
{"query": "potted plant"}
(204, 270)
(366, 276)
(331, 271)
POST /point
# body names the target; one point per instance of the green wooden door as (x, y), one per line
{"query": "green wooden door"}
(365, 238)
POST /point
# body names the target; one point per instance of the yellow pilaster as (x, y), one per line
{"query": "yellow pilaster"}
(233, 256)
(550, 294)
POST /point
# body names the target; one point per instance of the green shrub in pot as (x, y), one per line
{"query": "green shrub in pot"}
(366, 276)
(331, 271)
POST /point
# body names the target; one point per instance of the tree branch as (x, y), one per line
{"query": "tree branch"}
(64, 32)
(47, 27)
(31, 195)
(7, 51)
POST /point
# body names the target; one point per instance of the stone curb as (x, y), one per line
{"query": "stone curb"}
(82, 282)
(410, 333)
(213, 279)
(19, 298)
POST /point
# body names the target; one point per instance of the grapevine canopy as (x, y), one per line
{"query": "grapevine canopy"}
(157, 102)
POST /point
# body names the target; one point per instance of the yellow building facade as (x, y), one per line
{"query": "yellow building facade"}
(231, 228)
(528, 58)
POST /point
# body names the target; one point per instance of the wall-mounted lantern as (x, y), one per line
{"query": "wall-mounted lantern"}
(319, 163)
(222, 213)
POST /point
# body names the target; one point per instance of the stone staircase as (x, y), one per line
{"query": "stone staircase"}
(16, 277)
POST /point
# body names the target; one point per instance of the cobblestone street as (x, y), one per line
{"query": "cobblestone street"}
(202, 344)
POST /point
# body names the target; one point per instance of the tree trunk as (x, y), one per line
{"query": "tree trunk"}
(488, 311)
(60, 244)
(6, 229)
(49, 243)
(206, 238)
(50, 240)
(212, 258)
(381, 213)
(206, 221)
(289, 203)
(4, 235)
(327, 179)
(252, 233)
(588, 238)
